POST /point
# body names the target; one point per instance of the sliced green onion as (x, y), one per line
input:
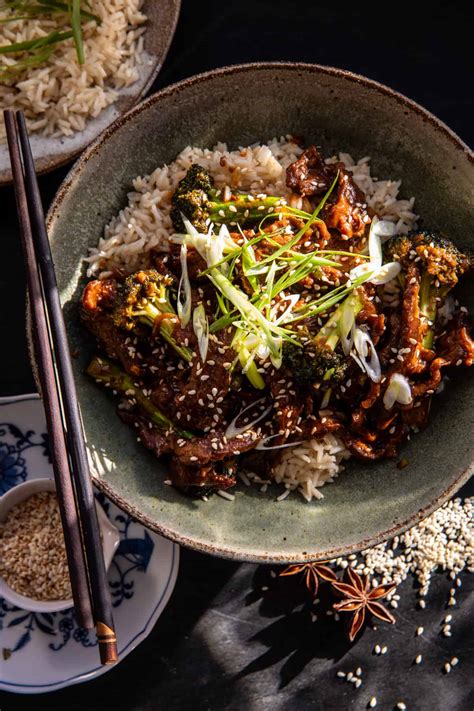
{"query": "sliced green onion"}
(201, 330)
(184, 308)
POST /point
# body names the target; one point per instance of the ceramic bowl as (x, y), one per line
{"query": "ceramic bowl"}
(338, 110)
(50, 153)
(109, 534)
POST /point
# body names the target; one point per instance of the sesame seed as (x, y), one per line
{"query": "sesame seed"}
(401, 706)
(373, 702)
(419, 631)
(447, 667)
(454, 661)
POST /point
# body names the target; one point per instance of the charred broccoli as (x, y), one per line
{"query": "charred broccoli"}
(314, 364)
(144, 297)
(441, 265)
(318, 361)
(199, 201)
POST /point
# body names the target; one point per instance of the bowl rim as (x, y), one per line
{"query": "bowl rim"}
(54, 211)
(109, 533)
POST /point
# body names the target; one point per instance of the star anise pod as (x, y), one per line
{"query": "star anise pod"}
(359, 598)
(312, 572)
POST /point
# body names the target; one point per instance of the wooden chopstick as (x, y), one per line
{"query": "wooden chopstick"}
(73, 430)
(46, 374)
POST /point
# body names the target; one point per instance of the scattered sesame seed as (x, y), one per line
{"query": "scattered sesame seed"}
(373, 702)
(418, 659)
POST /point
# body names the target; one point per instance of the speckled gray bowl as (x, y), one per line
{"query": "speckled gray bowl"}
(50, 153)
(338, 110)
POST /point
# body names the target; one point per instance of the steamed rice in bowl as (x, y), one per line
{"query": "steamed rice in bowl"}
(144, 228)
(59, 96)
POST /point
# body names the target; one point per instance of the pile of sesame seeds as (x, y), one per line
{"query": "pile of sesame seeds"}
(442, 541)
(32, 551)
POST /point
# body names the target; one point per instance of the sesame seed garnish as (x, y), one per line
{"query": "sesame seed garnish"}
(419, 631)
(418, 659)
(373, 702)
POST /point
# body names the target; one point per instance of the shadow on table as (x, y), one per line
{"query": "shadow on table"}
(302, 631)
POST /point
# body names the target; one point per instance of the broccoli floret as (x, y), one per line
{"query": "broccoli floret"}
(199, 201)
(318, 361)
(314, 364)
(441, 265)
(144, 298)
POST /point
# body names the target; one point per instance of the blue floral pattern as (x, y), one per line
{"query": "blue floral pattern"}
(133, 554)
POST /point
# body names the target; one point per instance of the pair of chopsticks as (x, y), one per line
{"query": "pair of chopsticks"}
(68, 452)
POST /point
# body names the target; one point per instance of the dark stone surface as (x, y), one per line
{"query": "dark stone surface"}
(222, 643)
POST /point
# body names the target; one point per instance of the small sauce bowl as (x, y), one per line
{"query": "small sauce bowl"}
(109, 535)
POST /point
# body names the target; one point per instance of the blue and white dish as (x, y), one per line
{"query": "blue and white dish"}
(41, 652)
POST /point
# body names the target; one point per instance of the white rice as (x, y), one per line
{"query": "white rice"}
(59, 96)
(145, 224)
(308, 466)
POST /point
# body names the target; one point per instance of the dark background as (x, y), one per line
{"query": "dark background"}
(222, 644)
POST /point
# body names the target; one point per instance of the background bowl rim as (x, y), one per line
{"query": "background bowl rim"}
(74, 174)
(48, 165)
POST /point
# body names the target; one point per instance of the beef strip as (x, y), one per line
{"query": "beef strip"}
(289, 403)
(345, 212)
(214, 447)
(309, 174)
(348, 212)
(198, 481)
